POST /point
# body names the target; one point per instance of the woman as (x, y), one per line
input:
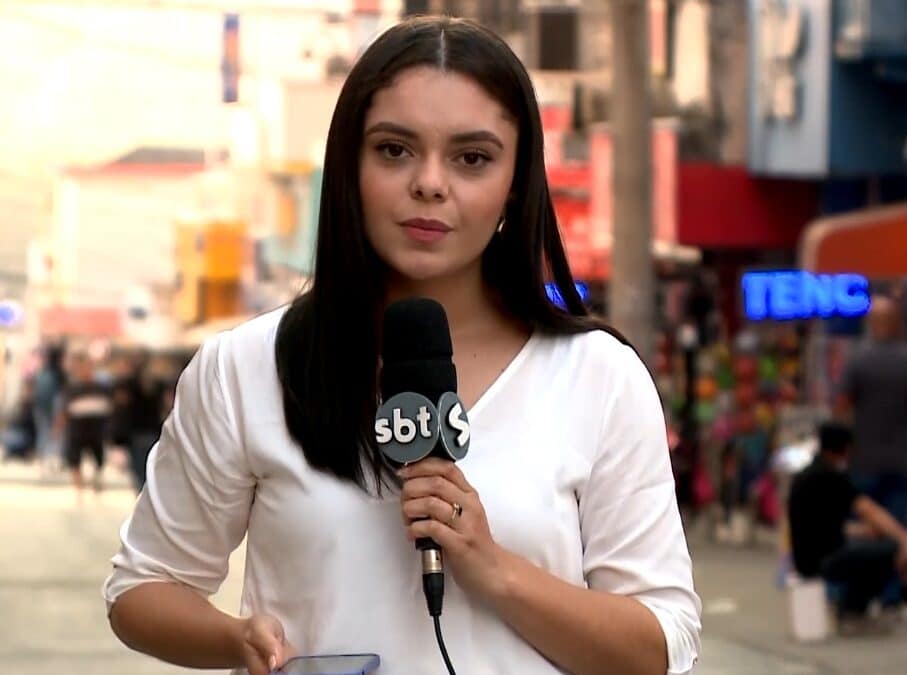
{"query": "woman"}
(568, 555)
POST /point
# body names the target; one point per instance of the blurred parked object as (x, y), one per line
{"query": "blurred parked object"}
(810, 615)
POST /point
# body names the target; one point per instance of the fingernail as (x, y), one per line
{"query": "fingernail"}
(272, 662)
(401, 473)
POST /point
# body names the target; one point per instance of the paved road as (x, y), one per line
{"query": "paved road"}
(54, 555)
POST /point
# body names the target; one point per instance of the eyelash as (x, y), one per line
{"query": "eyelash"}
(483, 157)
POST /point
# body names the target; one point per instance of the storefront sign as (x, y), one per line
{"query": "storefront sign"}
(781, 37)
(792, 294)
(230, 60)
(11, 313)
(812, 114)
(554, 293)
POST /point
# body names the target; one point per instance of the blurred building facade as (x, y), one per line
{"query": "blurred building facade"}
(181, 210)
(234, 234)
(772, 117)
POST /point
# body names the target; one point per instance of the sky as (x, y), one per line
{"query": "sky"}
(84, 82)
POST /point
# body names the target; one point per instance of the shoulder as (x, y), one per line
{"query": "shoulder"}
(244, 351)
(255, 332)
(603, 381)
(596, 354)
(248, 340)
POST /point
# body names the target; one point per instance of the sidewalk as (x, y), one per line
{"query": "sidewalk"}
(743, 609)
(115, 474)
(51, 575)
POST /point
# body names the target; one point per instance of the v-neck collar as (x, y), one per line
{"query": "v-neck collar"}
(504, 376)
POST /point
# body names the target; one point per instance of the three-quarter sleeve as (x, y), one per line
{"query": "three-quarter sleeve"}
(633, 540)
(194, 509)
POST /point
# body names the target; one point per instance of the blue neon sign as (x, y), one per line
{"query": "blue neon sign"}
(792, 294)
(554, 293)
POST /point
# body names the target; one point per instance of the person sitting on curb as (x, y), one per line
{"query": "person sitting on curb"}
(837, 534)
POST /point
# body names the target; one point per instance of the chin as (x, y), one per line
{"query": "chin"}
(420, 272)
(420, 268)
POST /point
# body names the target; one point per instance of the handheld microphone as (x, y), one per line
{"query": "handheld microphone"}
(421, 414)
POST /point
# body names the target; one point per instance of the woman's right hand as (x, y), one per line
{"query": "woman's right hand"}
(264, 644)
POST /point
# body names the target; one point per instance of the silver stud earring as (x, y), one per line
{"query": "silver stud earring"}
(501, 224)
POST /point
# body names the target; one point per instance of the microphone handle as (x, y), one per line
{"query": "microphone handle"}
(432, 574)
(426, 543)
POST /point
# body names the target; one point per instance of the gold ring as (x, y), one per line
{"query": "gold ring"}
(456, 513)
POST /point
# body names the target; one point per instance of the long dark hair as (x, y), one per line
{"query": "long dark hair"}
(327, 342)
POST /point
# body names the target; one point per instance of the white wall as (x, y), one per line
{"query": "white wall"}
(111, 234)
(691, 54)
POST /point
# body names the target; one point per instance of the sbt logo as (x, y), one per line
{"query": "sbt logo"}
(408, 427)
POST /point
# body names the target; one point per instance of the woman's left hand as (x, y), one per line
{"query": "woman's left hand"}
(436, 491)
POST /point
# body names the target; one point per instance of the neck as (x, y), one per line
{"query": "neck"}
(468, 302)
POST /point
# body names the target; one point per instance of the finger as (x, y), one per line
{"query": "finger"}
(431, 507)
(282, 654)
(268, 642)
(431, 486)
(448, 538)
(256, 665)
(433, 466)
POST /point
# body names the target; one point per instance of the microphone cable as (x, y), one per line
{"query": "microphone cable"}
(433, 587)
(450, 668)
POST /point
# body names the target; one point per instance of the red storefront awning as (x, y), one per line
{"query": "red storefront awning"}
(872, 242)
(725, 207)
(80, 321)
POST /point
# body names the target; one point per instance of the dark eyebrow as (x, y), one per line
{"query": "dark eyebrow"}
(390, 128)
(465, 137)
(477, 137)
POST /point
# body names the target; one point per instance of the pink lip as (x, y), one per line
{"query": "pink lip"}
(425, 230)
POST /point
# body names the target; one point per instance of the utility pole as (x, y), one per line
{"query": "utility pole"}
(631, 292)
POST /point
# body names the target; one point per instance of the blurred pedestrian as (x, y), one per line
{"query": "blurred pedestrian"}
(85, 412)
(19, 435)
(840, 535)
(146, 389)
(122, 370)
(874, 388)
(49, 382)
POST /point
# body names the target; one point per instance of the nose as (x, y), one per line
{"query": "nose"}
(430, 181)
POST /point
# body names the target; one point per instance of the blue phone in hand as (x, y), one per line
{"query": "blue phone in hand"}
(341, 664)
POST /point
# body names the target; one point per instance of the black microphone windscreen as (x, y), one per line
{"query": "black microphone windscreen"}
(416, 352)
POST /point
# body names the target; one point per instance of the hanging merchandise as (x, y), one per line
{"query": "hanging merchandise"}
(725, 376)
(790, 367)
(745, 395)
(706, 388)
(768, 369)
(723, 428)
(746, 368)
(705, 412)
(724, 402)
(788, 392)
(765, 415)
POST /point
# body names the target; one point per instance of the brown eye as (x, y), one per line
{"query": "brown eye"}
(391, 150)
(474, 160)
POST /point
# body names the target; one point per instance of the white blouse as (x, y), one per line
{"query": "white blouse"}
(568, 455)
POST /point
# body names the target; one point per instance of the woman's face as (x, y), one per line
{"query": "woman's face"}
(435, 171)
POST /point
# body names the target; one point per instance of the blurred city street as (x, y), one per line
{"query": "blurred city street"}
(56, 555)
(724, 182)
